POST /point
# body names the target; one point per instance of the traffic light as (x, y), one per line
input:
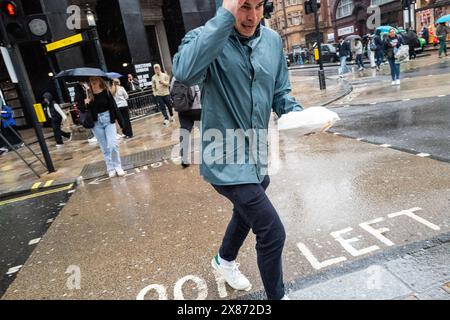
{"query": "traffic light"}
(312, 6)
(14, 22)
(406, 4)
(308, 7)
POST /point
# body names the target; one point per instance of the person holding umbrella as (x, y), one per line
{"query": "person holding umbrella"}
(105, 113)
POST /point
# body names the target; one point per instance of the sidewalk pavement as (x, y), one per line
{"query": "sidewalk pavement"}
(153, 233)
(150, 134)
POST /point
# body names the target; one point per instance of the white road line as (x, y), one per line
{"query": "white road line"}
(377, 233)
(385, 146)
(34, 241)
(406, 100)
(373, 103)
(410, 213)
(442, 95)
(14, 270)
(345, 243)
(360, 139)
(336, 133)
(314, 262)
(423, 155)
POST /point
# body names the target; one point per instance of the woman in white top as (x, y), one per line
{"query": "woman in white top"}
(121, 96)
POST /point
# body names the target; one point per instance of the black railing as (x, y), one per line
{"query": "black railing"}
(141, 104)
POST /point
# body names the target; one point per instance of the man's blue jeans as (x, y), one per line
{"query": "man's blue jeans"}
(344, 68)
(379, 57)
(395, 69)
(254, 211)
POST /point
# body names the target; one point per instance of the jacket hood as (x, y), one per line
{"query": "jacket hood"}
(48, 96)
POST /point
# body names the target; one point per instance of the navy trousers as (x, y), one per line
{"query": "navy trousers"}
(254, 211)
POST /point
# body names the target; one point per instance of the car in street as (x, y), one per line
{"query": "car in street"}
(329, 53)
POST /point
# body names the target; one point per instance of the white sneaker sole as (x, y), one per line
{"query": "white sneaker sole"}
(214, 265)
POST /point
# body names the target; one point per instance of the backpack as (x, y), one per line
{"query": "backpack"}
(182, 97)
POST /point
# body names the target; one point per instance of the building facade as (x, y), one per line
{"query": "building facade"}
(351, 16)
(428, 11)
(298, 29)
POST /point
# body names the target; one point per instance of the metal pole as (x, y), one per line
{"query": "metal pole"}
(57, 85)
(322, 80)
(285, 26)
(27, 93)
(409, 16)
(98, 47)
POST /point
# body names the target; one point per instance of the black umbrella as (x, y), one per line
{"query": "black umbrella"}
(352, 37)
(80, 74)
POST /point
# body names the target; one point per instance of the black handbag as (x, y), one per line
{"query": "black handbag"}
(87, 120)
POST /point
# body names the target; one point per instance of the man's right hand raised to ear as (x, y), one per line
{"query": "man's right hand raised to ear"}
(233, 6)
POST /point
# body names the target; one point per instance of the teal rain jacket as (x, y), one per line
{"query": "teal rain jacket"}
(242, 81)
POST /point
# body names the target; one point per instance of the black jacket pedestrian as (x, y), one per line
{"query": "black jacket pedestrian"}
(344, 49)
(94, 106)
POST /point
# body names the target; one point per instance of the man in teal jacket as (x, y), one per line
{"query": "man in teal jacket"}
(241, 68)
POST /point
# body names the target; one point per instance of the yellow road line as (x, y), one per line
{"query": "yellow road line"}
(36, 185)
(36, 195)
(48, 183)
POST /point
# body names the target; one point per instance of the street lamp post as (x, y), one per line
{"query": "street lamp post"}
(93, 27)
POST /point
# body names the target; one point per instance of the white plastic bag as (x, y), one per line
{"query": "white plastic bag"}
(311, 120)
(402, 54)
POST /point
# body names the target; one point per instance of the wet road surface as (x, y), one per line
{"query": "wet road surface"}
(152, 234)
(419, 126)
(22, 225)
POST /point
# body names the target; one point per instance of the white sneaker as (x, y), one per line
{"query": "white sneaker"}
(112, 174)
(59, 146)
(166, 123)
(120, 172)
(397, 82)
(394, 83)
(92, 140)
(285, 298)
(232, 275)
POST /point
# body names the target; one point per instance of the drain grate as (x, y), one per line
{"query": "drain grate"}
(98, 169)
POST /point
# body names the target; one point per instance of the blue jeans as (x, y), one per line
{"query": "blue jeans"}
(359, 60)
(395, 69)
(106, 134)
(379, 57)
(344, 68)
(254, 211)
